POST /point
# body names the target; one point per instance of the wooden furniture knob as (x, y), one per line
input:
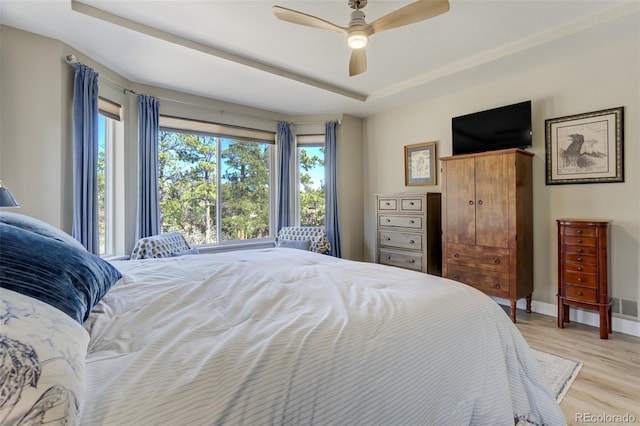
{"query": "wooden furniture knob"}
(497, 261)
(496, 285)
(479, 202)
(580, 280)
(456, 276)
(579, 259)
(580, 293)
(470, 202)
(456, 255)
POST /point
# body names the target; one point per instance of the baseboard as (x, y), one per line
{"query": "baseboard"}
(582, 316)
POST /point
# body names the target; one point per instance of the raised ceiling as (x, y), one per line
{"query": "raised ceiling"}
(237, 51)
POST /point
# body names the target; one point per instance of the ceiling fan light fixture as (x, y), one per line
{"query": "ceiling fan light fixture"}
(357, 39)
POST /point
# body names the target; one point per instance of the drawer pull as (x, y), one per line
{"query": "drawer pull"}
(470, 202)
(412, 261)
(387, 238)
(496, 285)
(580, 280)
(579, 231)
(411, 242)
(580, 293)
(412, 222)
(456, 277)
(411, 203)
(388, 257)
(497, 261)
(580, 250)
(479, 202)
(579, 268)
(579, 240)
(579, 259)
(456, 255)
(388, 203)
(388, 220)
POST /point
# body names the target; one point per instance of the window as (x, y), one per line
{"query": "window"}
(108, 120)
(311, 191)
(214, 181)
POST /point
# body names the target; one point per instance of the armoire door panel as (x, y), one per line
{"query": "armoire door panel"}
(492, 200)
(460, 218)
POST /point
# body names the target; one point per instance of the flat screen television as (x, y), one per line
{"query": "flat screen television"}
(498, 128)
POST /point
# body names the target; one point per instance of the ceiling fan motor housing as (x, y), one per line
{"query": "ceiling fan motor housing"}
(359, 31)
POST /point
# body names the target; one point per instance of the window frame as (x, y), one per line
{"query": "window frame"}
(110, 112)
(315, 140)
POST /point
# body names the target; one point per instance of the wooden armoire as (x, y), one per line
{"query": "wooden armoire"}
(487, 223)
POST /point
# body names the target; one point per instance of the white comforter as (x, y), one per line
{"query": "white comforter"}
(285, 336)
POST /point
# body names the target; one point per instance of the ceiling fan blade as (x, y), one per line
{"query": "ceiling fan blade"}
(411, 13)
(301, 18)
(357, 62)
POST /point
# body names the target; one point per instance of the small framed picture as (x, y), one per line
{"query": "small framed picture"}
(585, 148)
(420, 164)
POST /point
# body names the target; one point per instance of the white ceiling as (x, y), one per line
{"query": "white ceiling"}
(237, 51)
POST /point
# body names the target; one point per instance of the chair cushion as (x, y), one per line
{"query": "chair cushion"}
(159, 246)
(295, 244)
(315, 234)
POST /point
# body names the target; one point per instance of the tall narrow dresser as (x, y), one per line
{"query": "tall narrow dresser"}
(583, 269)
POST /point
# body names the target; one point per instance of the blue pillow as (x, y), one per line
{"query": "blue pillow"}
(192, 250)
(39, 227)
(295, 244)
(55, 272)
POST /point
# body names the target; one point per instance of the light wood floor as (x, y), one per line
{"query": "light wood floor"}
(609, 381)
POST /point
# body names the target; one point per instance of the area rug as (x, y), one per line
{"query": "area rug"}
(560, 372)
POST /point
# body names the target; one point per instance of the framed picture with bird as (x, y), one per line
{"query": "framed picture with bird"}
(585, 148)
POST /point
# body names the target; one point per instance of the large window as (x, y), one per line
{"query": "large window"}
(311, 190)
(214, 181)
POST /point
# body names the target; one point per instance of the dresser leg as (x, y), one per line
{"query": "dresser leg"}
(528, 298)
(513, 311)
(566, 313)
(609, 319)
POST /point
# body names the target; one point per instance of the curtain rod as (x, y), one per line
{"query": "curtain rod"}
(72, 60)
(313, 122)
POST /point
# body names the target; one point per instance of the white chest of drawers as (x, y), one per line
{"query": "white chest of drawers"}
(408, 231)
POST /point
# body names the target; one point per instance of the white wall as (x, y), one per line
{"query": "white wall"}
(35, 125)
(593, 70)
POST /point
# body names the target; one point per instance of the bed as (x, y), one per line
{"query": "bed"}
(270, 336)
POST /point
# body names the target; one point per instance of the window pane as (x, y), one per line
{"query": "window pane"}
(312, 191)
(245, 189)
(187, 185)
(213, 188)
(102, 190)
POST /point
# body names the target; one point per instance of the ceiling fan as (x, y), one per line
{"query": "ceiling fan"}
(358, 31)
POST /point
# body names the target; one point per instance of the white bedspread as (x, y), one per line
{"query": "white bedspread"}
(285, 336)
